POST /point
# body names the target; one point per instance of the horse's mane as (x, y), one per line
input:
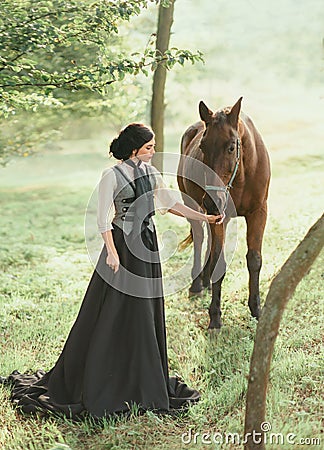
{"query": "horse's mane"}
(220, 116)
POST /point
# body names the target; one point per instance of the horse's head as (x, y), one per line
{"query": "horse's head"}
(220, 145)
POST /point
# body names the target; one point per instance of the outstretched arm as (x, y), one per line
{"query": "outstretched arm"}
(166, 201)
(182, 210)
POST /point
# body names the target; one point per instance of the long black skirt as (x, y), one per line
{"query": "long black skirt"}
(115, 355)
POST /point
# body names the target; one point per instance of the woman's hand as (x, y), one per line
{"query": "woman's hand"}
(112, 258)
(215, 219)
(112, 261)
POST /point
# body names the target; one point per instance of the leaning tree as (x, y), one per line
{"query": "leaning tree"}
(281, 290)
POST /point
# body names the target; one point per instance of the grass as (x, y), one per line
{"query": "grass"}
(45, 271)
(255, 50)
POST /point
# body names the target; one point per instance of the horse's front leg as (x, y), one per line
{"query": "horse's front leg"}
(205, 275)
(198, 237)
(217, 269)
(255, 229)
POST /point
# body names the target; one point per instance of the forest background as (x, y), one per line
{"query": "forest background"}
(272, 55)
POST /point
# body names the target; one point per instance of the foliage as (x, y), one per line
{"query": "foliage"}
(65, 55)
(50, 46)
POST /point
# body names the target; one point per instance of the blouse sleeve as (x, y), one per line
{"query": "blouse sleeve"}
(106, 208)
(164, 197)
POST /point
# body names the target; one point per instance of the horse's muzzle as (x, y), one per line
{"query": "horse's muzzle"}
(215, 202)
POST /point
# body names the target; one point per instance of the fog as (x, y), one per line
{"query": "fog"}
(271, 53)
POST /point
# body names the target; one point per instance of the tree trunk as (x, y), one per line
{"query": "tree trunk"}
(165, 21)
(281, 289)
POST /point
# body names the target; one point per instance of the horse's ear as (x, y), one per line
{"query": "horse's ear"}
(234, 113)
(205, 113)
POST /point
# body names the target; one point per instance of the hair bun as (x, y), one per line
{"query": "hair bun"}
(115, 147)
(131, 138)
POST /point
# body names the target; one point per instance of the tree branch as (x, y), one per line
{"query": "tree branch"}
(12, 60)
(58, 85)
(33, 19)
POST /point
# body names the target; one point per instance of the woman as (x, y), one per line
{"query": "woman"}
(115, 355)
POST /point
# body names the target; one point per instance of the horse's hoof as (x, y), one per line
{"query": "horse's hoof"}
(255, 308)
(215, 324)
(256, 314)
(193, 294)
(213, 331)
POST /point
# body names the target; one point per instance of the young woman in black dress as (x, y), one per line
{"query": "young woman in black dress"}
(115, 355)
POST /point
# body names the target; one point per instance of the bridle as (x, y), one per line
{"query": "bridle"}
(225, 189)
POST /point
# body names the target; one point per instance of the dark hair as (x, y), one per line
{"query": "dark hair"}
(132, 137)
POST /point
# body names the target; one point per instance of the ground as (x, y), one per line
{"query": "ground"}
(45, 270)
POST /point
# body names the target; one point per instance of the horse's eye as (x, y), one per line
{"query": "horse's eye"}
(231, 148)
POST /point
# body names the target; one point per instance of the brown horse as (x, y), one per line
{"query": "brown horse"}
(223, 153)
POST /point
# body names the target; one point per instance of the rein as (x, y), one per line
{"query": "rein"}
(225, 189)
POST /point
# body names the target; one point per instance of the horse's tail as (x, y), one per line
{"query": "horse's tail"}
(186, 242)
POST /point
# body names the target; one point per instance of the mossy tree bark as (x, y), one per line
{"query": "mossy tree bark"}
(281, 289)
(165, 21)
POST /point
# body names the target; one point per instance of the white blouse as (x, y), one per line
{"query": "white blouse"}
(164, 199)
